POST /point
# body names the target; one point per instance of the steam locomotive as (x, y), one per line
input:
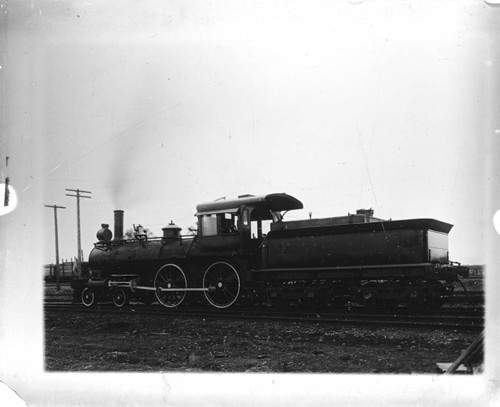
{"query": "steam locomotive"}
(245, 252)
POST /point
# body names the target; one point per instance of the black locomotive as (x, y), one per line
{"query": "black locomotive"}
(245, 252)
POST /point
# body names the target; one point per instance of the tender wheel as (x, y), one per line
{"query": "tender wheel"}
(223, 284)
(170, 276)
(88, 297)
(120, 297)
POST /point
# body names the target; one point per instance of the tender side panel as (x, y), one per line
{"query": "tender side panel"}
(395, 271)
(347, 249)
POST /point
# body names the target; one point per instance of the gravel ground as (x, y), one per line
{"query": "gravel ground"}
(98, 342)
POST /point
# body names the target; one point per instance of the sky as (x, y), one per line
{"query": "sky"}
(155, 108)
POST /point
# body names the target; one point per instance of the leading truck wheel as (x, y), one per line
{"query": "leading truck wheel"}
(88, 297)
(169, 277)
(120, 297)
(222, 283)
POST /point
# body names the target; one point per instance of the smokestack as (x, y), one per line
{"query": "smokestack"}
(118, 225)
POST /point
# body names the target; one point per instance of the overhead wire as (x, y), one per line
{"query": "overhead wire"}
(368, 171)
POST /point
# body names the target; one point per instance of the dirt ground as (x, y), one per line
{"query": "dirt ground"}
(127, 342)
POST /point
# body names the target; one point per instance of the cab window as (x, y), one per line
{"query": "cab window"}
(219, 224)
(208, 225)
(229, 223)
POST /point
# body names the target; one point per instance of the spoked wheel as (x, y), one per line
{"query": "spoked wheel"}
(88, 297)
(223, 284)
(120, 297)
(169, 277)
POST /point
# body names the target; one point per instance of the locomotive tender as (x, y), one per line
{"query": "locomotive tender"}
(244, 251)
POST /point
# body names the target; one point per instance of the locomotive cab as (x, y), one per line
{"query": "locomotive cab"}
(237, 227)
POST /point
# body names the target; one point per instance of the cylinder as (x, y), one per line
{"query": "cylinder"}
(118, 225)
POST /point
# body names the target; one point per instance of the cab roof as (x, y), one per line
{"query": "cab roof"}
(274, 202)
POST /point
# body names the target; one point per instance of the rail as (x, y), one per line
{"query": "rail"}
(445, 322)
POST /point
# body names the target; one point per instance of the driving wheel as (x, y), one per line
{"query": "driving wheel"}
(169, 277)
(222, 283)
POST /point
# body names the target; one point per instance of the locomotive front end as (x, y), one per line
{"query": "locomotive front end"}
(127, 267)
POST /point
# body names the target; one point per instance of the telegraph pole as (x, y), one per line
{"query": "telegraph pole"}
(78, 195)
(7, 192)
(58, 280)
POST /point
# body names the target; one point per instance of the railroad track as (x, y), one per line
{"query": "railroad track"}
(455, 320)
(474, 298)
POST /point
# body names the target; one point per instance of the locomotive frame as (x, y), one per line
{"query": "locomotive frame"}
(244, 251)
